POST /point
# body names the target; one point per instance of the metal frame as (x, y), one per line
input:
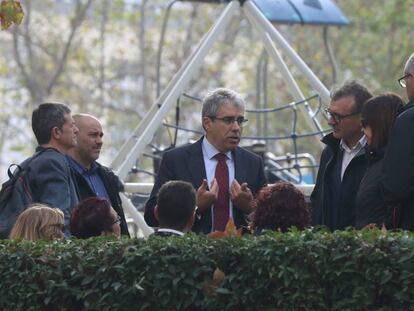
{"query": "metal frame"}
(144, 133)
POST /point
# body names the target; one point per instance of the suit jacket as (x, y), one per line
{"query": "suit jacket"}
(321, 194)
(186, 163)
(398, 170)
(112, 185)
(51, 182)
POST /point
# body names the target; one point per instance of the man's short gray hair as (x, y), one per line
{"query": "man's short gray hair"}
(409, 65)
(217, 98)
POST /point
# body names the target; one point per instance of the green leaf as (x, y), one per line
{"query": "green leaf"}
(222, 290)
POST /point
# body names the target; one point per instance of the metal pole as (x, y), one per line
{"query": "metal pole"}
(251, 9)
(136, 216)
(129, 144)
(286, 74)
(177, 89)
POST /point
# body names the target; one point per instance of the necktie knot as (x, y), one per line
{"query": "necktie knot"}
(220, 157)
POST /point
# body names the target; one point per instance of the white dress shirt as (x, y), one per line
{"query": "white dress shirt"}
(209, 151)
(350, 153)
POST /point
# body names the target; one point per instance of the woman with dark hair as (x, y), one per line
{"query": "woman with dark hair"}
(279, 207)
(94, 216)
(377, 119)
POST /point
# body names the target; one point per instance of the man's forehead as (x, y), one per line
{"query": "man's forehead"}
(344, 102)
(94, 130)
(88, 122)
(230, 107)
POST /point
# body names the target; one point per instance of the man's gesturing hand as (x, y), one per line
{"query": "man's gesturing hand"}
(207, 197)
(241, 196)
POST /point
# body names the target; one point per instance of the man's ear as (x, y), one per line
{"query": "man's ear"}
(55, 133)
(206, 122)
(156, 213)
(191, 221)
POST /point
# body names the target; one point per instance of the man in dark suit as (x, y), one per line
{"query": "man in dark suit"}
(398, 177)
(226, 176)
(175, 208)
(91, 178)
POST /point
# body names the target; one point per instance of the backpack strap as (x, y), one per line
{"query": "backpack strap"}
(19, 167)
(10, 172)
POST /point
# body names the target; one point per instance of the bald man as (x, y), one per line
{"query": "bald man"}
(91, 178)
(398, 178)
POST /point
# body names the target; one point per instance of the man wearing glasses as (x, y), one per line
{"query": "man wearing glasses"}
(225, 175)
(398, 181)
(343, 162)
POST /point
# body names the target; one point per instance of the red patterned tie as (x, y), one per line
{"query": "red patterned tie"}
(221, 208)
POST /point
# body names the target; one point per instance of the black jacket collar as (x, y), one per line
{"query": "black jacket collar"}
(409, 105)
(331, 141)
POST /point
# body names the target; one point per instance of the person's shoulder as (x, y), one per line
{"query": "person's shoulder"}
(248, 154)
(49, 155)
(48, 161)
(190, 147)
(327, 153)
(407, 115)
(108, 172)
(104, 168)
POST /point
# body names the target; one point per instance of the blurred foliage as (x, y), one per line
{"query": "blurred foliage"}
(309, 270)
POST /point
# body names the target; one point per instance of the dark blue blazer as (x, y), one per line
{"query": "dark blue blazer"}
(186, 163)
(51, 182)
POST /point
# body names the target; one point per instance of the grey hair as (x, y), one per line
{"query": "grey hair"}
(217, 98)
(45, 118)
(409, 65)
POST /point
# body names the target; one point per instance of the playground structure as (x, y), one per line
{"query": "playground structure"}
(275, 44)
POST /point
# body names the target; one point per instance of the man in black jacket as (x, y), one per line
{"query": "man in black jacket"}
(92, 178)
(398, 178)
(343, 162)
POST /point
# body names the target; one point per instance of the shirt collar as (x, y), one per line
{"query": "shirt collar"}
(170, 231)
(211, 151)
(359, 145)
(79, 167)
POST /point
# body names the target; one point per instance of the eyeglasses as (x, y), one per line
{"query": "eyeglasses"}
(338, 117)
(230, 120)
(402, 81)
(117, 220)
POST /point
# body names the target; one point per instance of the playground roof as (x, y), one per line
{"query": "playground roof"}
(316, 12)
(305, 12)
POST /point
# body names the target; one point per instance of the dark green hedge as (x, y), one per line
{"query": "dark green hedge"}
(349, 270)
